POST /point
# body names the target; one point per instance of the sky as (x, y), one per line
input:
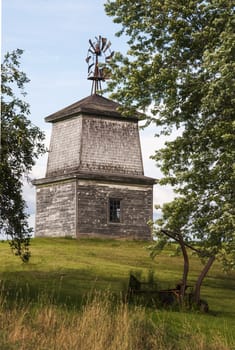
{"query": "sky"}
(54, 35)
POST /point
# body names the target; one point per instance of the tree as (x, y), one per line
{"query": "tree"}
(21, 143)
(181, 66)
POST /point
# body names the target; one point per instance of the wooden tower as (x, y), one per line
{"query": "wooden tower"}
(94, 183)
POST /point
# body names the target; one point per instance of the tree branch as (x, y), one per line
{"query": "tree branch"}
(176, 236)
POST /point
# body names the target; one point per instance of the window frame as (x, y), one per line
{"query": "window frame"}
(115, 200)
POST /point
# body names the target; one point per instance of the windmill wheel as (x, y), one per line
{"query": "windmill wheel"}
(99, 53)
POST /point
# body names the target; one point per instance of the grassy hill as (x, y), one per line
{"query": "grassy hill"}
(49, 296)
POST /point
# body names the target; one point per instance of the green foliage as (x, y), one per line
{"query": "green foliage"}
(21, 143)
(181, 66)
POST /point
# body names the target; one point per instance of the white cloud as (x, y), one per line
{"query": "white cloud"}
(149, 144)
(162, 194)
(39, 169)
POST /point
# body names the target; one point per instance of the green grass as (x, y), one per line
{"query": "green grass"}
(64, 271)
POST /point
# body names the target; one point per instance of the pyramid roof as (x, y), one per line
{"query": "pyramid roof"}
(93, 104)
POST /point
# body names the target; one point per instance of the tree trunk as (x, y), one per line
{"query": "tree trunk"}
(178, 238)
(201, 277)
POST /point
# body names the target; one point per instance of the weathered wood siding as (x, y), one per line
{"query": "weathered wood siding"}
(56, 209)
(93, 210)
(60, 214)
(93, 144)
(65, 147)
(110, 146)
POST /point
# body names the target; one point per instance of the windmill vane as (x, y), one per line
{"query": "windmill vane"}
(97, 71)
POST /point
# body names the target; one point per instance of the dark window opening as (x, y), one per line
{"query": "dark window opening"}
(114, 210)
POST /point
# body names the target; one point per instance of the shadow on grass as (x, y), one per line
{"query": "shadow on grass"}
(68, 288)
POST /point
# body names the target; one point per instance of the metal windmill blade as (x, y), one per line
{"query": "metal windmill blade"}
(99, 49)
(110, 56)
(107, 46)
(88, 59)
(91, 43)
(104, 41)
(89, 67)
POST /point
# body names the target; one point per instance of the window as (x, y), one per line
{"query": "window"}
(114, 210)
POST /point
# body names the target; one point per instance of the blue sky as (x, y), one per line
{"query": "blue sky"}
(54, 35)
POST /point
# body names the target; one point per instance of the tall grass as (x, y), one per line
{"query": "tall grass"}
(101, 324)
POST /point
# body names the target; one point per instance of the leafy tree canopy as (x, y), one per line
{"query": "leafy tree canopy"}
(181, 65)
(21, 144)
